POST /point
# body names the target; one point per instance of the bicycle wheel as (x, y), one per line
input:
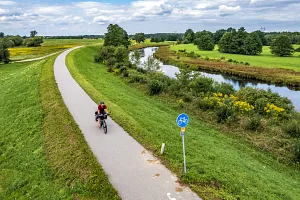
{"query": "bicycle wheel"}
(104, 127)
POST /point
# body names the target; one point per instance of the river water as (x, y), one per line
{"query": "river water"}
(237, 82)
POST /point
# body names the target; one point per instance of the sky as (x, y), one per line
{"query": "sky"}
(75, 17)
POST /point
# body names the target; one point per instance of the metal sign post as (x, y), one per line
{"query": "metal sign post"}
(182, 121)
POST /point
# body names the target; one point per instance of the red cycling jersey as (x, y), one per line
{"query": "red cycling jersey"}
(101, 107)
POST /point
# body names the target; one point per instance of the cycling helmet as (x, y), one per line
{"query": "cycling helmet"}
(102, 102)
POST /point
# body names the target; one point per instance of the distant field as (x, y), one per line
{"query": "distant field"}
(265, 59)
(49, 46)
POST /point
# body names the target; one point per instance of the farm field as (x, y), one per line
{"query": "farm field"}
(43, 154)
(218, 165)
(49, 46)
(265, 59)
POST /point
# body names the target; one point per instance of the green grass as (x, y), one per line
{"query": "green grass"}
(265, 59)
(213, 158)
(43, 154)
(49, 46)
(25, 171)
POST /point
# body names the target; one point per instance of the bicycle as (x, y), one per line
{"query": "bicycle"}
(102, 121)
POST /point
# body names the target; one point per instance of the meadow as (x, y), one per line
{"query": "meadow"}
(48, 47)
(43, 154)
(219, 166)
(265, 59)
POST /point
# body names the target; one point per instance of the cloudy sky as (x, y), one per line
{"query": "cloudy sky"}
(74, 17)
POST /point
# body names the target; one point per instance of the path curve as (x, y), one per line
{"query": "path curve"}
(133, 171)
(39, 58)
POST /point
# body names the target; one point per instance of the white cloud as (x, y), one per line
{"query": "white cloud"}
(49, 10)
(224, 8)
(7, 3)
(101, 20)
(10, 18)
(3, 11)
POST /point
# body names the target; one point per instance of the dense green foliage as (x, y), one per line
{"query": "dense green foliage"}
(4, 52)
(33, 33)
(205, 42)
(189, 36)
(282, 46)
(218, 35)
(33, 41)
(116, 36)
(140, 37)
(240, 42)
(217, 162)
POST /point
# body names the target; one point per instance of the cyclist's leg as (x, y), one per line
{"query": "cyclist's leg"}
(99, 122)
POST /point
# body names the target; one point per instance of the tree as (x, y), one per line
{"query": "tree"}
(4, 52)
(189, 35)
(205, 42)
(218, 35)
(116, 36)
(140, 37)
(18, 40)
(262, 37)
(199, 34)
(224, 43)
(1, 34)
(282, 46)
(253, 44)
(33, 33)
(34, 42)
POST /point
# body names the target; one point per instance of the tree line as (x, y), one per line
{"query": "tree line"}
(241, 42)
(9, 41)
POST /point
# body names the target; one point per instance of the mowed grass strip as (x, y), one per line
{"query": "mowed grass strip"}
(265, 59)
(218, 165)
(25, 172)
(72, 161)
(43, 154)
(49, 46)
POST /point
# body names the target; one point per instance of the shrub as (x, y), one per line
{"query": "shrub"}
(187, 97)
(225, 113)
(201, 84)
(224, 88)
(141, 70)
(180, 103)
(110, 69)
(297, 150)
(125, 73)
(293, 129)
(246, 63)
(182, 50)
(203, 104)
(155, 87)
(230, 60)
(253, 123)
(137, 78)
(111, 61)
(97, 58)
(222, 58)
(297, 49)
(251, 95)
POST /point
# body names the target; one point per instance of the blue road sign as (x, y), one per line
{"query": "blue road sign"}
(182, 120)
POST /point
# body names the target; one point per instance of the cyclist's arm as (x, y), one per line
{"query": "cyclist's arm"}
(106, 111)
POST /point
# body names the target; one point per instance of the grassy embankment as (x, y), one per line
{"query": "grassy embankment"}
(49, 46)
(43, 154)
(265, 59)
(218, 165)
(272, 75)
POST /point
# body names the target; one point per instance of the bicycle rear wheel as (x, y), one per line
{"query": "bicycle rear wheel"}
(104, 127)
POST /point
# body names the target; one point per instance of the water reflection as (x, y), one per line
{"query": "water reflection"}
(237, 82)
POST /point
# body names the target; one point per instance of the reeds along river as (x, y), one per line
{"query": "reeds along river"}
(237, 82)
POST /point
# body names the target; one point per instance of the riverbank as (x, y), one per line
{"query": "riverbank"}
(275, 76)
(220, 163)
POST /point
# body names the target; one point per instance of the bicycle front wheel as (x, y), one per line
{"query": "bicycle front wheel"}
(104, 127)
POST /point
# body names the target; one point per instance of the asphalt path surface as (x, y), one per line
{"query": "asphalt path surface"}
(132, 170)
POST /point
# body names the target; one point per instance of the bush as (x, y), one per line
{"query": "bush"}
(97, 58)
(203, 104)
(230, 60)
(137, 78)
(297, 49)
(201, 84)
(111, 61)
(155, 87)
(141, 70)
(110, 69)
(224, 88)
(251, 95)
(182, 50)
(297, 150)
(293, 129)
(225, 113)
(253, 123)
(246, 63)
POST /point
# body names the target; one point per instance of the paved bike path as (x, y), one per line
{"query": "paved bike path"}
(132, 170)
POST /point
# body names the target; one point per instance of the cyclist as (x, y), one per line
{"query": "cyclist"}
(102, 112)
